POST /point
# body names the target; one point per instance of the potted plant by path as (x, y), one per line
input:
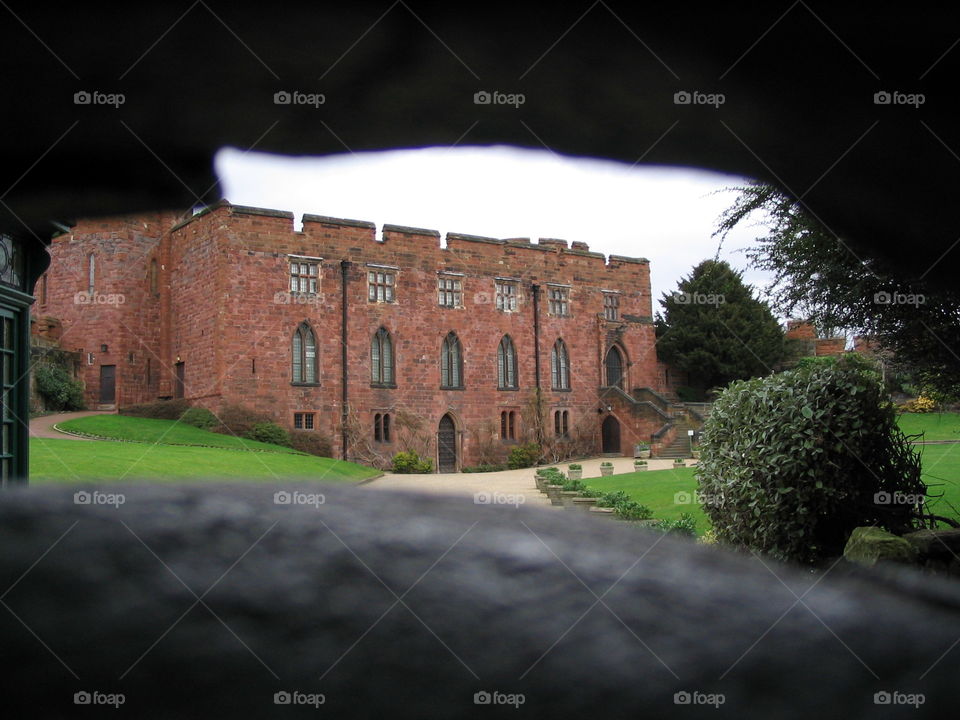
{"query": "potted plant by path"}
(643, 451)
(574, 471)
(679, 463)
(639, 465)
(606, 468)
(695, 453)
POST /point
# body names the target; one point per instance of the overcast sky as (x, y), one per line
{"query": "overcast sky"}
(666, 215)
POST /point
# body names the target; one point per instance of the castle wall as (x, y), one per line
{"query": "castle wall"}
(223, 310)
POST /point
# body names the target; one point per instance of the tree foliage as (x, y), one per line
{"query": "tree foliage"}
(714, 329)
(817, 275)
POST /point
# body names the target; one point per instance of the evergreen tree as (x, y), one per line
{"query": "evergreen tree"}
(715, 330)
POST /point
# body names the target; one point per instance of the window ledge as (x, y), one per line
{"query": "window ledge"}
(561, 389)
(385, 386)
(305, 384)
(453, 387)
(508, 389)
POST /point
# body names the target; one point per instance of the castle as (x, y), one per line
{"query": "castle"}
(458, 352)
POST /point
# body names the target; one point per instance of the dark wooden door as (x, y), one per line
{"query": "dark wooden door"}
(108, 384)
(611, 434)
(178, 385)
(447, 445)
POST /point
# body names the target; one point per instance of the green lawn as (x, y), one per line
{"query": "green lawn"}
(934, 426)
(168, 432)
(69, 461)
(941, 473)
(658, 490)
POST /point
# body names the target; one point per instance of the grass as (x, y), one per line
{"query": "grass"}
(941, 473)
(657, 489)
(934, 426)
(167, 432)
(71, 461)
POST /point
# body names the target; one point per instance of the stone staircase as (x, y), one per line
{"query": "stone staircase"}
(680, 447)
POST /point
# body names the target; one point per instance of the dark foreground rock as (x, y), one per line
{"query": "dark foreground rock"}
(206, 602)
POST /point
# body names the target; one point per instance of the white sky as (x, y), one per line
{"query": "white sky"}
(664, 214)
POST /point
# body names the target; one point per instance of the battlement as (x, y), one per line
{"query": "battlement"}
(402, 237)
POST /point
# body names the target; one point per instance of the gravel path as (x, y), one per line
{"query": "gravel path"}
(42, 427)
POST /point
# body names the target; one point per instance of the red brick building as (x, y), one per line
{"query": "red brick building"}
(386, 344)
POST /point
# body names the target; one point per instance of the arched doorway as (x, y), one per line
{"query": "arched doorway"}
(614, 367)
(447, 445)
(611, 434)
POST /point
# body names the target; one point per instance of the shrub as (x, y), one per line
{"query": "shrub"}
(523, 456)
(632, 510)
(575, 466)
(612, 499)
(58, 388)
(410, 462)
(790, 464)
(685, 525)
(199, 417)
(606, 464)
(239, 420)
(269, 432)
(573, 485)
(311, 442)
(159, 410)
(921, 404)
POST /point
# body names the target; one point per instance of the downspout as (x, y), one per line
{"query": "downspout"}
(535, 290)
(344, 269)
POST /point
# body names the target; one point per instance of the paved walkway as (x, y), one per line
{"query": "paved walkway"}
(507, 482)
(42, 427)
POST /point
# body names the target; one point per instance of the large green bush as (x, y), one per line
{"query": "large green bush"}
(523, 456)
(269, 432)
(790, 464)
(58, 388)
(410, 462)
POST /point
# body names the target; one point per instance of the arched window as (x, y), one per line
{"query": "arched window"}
(506, 364)
(91, 273)
(614, 367)
(560, 366)
(451, 362)
(304, 355)
(153, 277)
(381, 358)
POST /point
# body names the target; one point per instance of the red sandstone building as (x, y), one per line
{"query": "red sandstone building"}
(383, 345)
